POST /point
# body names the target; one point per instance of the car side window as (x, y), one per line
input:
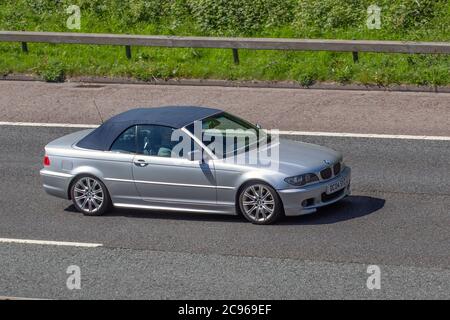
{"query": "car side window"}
(153, 140)
(126, 141)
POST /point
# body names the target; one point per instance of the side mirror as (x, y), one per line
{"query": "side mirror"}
(258, 126)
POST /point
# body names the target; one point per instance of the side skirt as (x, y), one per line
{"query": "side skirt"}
(176, 209)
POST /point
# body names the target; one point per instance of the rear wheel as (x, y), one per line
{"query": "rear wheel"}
(259, 203)
(89, 196)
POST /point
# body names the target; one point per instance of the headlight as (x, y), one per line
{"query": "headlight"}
(302, 179)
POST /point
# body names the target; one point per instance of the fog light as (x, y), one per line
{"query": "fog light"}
(308, 202)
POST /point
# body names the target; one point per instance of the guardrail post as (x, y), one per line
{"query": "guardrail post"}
(24, 47)
(235, 56)
(355, 56)
(128, 52)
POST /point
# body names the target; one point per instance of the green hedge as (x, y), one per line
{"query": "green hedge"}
(241, 16)
(426, 20)
(396, 15)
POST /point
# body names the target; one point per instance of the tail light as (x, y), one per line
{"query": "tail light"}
(46, 161)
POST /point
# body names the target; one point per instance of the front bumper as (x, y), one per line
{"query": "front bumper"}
(305, 200)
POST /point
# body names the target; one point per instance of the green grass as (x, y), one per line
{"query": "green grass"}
(55, 62)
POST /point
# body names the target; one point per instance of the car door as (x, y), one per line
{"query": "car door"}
(116, 165)
(164, 179)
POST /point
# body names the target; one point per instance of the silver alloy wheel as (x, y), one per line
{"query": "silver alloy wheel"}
(88, 194)
(258, 202)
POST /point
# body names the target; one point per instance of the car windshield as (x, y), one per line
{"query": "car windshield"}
(226, 135)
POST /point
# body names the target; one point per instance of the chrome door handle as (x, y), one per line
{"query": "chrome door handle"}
(141, 163)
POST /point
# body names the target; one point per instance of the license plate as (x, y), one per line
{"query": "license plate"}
(338, 185)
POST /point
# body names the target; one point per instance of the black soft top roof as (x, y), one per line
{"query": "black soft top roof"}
(170, 116)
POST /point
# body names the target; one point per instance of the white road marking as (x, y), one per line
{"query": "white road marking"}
(18, 298)
(363, 135)
(42, 124)
(288, 132)
(51, 243)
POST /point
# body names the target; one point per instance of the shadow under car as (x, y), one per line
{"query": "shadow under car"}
(349, 208)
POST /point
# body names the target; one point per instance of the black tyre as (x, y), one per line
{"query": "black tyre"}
(90, 196)
(259, 203)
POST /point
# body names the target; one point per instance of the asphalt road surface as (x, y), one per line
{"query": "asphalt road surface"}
(397, 218)
(405, 113)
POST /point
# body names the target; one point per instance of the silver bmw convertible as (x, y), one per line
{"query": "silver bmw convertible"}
(192, 159)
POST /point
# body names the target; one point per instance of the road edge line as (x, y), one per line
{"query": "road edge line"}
(51, 243)
(281, 132)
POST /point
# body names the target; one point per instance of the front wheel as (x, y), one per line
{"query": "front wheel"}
(260, 204)
(89, 196)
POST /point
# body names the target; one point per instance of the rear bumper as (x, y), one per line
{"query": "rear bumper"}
(56, 183)
(315, 196)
